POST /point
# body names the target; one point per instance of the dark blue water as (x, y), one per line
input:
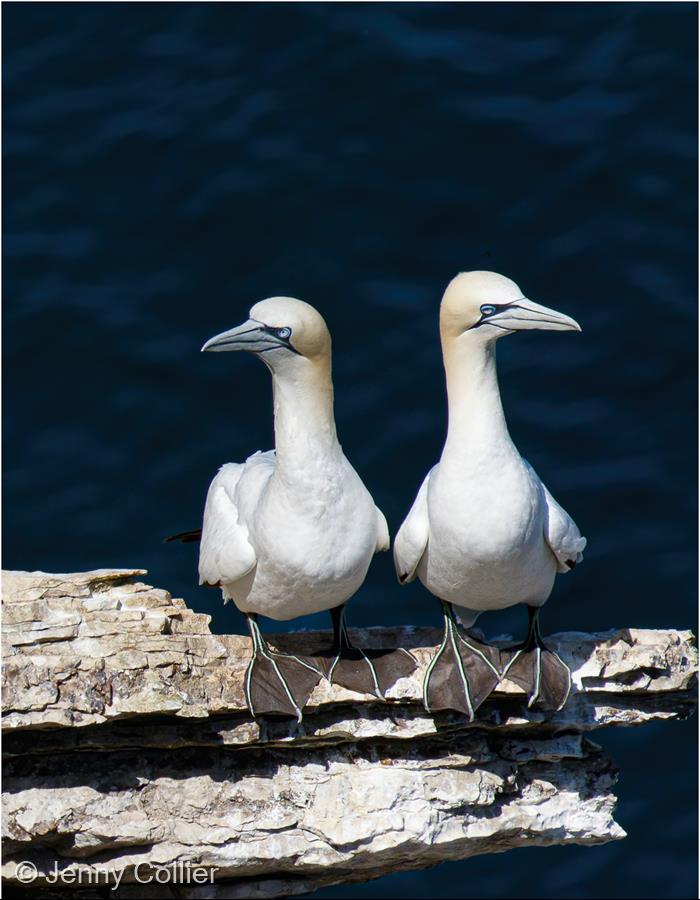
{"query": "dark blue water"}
(167, 165)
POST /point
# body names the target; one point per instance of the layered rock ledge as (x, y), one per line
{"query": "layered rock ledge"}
(128, 747)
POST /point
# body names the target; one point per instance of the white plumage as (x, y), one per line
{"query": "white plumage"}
(484, 532)
(282, 548)
(290, 532)
(485, 543)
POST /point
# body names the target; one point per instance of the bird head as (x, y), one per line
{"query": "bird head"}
(282, 331)
(486, 306)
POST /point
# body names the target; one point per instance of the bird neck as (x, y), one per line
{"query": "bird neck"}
(476, 421)
(305, 435)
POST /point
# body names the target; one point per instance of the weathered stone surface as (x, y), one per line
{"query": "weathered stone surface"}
(127, 742)
(343, 813)
(120, 649)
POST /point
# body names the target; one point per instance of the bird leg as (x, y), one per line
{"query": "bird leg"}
(462, 673)
(537, 669)
(363, 671)
(277, 683)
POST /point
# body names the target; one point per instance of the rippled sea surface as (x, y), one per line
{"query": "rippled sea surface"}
(167, 165)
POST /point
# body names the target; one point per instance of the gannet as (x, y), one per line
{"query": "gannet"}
(292, 531)
(484, 533)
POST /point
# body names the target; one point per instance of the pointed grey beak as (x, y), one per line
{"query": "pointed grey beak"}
(238, 338)
(524, 315)
(251, 336)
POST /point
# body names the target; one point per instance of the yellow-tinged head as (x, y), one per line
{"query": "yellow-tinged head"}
(490, 305)
(279, 327)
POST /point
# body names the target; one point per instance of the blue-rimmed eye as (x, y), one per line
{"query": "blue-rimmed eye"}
(488, 309)
(283, 333)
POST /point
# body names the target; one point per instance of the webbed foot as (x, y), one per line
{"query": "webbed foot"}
(277, 683)
(538, 670)
(463, 672)
(363, 671)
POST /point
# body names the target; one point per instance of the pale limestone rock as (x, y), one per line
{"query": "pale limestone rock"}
(127, 744)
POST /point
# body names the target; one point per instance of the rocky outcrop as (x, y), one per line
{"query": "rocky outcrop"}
(128, 747)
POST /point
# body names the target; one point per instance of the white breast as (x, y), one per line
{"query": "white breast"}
(486, 548)
(313, 547)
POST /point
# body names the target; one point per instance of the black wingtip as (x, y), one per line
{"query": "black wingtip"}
(185, 537)
(571, 563)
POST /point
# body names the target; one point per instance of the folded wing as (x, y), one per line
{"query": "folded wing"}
(383, 539)
(226, 553)
(412, 539)
(560, 531)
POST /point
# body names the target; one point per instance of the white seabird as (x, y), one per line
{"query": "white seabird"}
(484, 533)
(292, 531)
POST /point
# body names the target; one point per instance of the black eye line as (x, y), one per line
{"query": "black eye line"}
(484, 320)
(284, 341)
